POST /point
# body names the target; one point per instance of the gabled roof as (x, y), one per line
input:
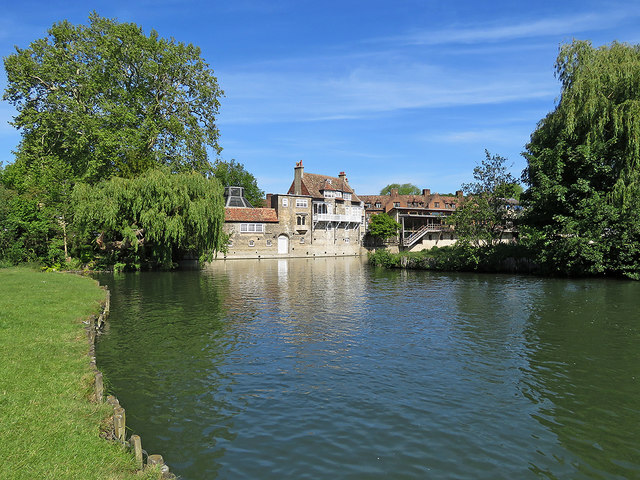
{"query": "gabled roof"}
(237, 214)
(313, 184)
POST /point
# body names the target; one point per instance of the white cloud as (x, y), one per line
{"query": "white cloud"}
(546, 27)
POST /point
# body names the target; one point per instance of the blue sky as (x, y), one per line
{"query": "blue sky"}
(389, 92)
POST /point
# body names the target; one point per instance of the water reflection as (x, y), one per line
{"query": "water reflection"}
(584, 362)
(323, 368)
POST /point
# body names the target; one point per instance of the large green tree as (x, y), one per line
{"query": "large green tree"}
(94, 102)
(155, 217)
(105, 99)
(489, 207)
(583, 166)
(403, 189)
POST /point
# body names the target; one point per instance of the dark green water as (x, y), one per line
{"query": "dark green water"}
(326, 369)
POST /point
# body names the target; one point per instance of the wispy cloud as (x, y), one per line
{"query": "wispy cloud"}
(300, 96)
(569, 25)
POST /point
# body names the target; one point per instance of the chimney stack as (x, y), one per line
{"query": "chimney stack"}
(426, 191)
(342, 176)
(297, 178)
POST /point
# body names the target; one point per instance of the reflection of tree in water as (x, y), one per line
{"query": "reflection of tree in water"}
(170, 369)
(584, 373)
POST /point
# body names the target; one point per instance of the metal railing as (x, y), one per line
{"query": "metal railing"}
(334, 217)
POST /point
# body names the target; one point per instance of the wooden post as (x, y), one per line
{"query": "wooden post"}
(107, 303)
(119, 423)
(136, 444)
(111, 400)
(99, 387)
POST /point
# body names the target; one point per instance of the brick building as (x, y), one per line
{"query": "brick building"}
(422, 217)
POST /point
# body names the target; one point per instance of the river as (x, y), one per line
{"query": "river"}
(328, 368)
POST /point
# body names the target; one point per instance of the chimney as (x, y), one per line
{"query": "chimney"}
(459, 194)
(342, 176)
(297, 178)
(426, 191)
(394, 192)
(268, 202)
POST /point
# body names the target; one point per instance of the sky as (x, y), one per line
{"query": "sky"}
(403, 91)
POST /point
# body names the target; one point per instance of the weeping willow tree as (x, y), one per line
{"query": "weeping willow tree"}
(154, 218)
(584, 164)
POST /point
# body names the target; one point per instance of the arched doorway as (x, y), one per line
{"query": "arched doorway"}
(283, 244)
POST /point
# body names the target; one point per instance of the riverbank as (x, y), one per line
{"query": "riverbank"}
(49, 428)
(501, 258)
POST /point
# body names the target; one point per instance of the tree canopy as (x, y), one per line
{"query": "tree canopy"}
(583, 166)
(233, 174)
(383, 226)
(104, 99)
(101, 107)
(487, 210)
(403, 189)
(153, 216)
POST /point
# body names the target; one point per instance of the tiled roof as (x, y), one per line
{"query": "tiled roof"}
(250, 215)
(313, 184)
(387, 200)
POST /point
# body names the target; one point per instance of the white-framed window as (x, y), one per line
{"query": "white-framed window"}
(251, 228)
(301, 239)
(378, 205)
(302, 203)
(251, 243)
(230, 243)
(285, 202)
(268, 243)
(346, 240)
(347, 196)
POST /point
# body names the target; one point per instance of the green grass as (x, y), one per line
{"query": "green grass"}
(48, 427)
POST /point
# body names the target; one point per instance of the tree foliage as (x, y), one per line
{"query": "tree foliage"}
(583, 166)
(152, 217)
(382, 226)
(106, 100)
(482, 218)
(100, 101)
(233, 174)
(403, 189)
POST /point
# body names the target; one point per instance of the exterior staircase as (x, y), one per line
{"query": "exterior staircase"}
(417, 235)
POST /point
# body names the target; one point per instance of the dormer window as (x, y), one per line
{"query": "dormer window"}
(347, 196)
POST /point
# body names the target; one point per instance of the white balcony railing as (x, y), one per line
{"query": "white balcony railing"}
(334, 217)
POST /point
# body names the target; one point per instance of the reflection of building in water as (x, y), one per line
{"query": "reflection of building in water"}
(318, 216)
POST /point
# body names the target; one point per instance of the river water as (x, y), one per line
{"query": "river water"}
(328, 368)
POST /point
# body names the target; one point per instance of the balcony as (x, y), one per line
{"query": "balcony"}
(334, 217)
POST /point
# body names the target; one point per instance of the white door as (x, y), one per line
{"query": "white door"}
(283, 244)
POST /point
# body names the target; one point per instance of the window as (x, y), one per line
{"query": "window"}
(285, 202)
(378, 205)
(268, 243)
(230, 243)
(436, 204)
(301, 239)
(301, 220)
(346, 240)
(367, 205)
(251, 243)
(347, 196)
(396, 204)
(302, 203)
(251, 227)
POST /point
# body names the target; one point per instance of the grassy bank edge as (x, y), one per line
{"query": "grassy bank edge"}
(48, 426)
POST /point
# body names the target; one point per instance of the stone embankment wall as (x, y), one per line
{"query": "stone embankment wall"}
(117, 431)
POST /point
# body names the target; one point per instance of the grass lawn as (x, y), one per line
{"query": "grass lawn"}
(48, 427)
